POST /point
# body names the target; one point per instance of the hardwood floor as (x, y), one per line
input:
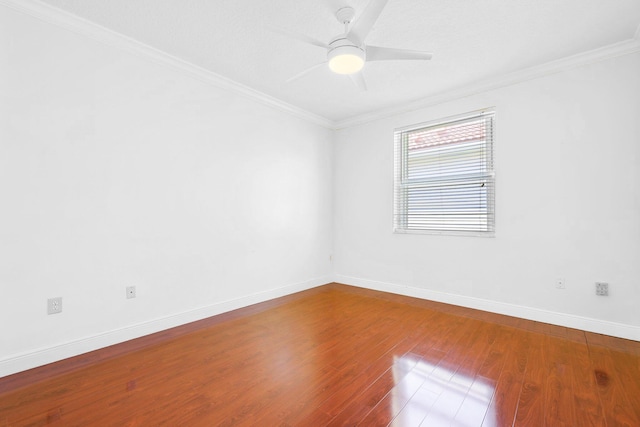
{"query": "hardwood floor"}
(338, 355)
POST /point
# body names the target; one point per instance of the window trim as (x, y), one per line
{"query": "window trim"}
(400, 170)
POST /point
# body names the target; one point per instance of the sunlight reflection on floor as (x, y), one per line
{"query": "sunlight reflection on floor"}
(428, 394)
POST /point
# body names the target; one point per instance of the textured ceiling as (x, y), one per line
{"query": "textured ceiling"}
(471, 40)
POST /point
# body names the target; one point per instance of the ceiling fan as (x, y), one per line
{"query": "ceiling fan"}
(347, 52)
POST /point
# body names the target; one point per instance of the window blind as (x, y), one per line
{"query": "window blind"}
(444, 179)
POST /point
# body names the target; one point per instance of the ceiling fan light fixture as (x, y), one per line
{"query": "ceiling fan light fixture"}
(346, 59)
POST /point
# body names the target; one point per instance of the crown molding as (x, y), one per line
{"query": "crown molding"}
(101, 34)
(617, 49)
(78, 25)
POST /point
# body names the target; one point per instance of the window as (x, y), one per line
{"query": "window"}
(444, 180)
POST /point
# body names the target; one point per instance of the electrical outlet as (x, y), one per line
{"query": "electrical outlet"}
(54, 305)
(560, 283)
(131, 292)
(602, 289)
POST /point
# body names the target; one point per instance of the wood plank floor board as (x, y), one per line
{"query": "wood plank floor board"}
(361, 378)
(531, 409)
(389, 406)
(559, 409)
(411, 342)
(448, 392)
(587, 404)
(475, 403)
(492, 365)
(408, 389)
(627, 373)
(616, 406)
(414, 412)
(362, 403)
(475, 406)
(505, 400)
(318, 392)
(338, 355)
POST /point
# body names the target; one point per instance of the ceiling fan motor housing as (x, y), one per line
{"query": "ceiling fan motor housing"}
(345, 57)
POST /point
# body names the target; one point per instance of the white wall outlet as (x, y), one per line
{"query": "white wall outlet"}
(560, 283)
(131, 292)
(54, 305)
(602, 289)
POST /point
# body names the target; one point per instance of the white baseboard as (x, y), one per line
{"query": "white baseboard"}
(555, 318)
(43, 356)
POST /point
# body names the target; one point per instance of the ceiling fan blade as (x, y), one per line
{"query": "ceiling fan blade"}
(300, 37)
(363, 25)
(377, 53)
(358, 80)
(305, 72)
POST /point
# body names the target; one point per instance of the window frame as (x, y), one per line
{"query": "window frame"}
(401, 203)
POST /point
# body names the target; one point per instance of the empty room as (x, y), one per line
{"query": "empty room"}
(320, 213)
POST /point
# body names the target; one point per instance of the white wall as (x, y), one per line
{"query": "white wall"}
(116, 170)
(567, 157)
